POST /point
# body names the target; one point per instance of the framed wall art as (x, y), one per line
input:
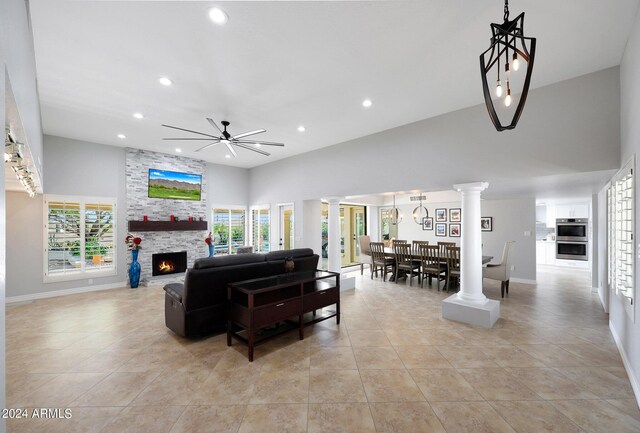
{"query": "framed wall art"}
(454, 230)
(441, 215)
(427, 223)
(455, 215)
(486, 224)
(441, 229)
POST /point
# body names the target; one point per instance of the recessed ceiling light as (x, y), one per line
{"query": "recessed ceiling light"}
(301, 128)
(138, 115)
(367, 103)
(178, 150)
(218, 16)
(165, 81)
(227, 156)
(122, 136)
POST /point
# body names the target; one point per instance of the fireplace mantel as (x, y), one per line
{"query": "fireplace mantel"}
(166, 226)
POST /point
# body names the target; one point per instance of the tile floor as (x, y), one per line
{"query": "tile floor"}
(393, 365)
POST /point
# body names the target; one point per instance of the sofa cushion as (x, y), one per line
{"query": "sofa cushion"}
(175, 290)
(232, 260)
(281, 255)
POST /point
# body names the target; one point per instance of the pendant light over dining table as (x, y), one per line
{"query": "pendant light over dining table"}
(510, 51)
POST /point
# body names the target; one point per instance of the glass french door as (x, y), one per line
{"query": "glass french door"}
(286, 240)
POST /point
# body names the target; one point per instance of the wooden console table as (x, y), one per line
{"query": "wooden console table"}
(290, 300)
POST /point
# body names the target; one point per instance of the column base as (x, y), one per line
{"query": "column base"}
(481, 314)
(347, 283)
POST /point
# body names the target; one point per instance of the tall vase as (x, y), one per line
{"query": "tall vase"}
(210, 250)
(134, 270)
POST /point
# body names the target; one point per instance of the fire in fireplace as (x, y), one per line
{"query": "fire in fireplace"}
(169, 263)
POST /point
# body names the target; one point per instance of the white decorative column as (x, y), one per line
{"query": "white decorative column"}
(333, 249)
(470, 305)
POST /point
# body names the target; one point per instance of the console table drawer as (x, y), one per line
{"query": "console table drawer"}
(268, 315)
(320, 299)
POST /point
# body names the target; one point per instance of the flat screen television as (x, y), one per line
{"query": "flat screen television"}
(174, 185)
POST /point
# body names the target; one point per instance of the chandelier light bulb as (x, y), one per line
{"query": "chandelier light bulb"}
(499, 89)
(516, 62)
(507, 100)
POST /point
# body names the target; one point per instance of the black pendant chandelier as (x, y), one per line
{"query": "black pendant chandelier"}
(509, 49)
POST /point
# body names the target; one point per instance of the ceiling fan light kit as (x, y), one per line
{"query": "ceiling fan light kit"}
(230, 141)
(509, 44)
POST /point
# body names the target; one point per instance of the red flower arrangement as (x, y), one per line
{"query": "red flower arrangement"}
(133, 243)
(208, 240)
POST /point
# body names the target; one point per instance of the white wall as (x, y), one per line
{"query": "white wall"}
(603, 257)
(511, 218)
(628, 331)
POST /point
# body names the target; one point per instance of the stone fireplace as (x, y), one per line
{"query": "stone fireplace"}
(139, 204)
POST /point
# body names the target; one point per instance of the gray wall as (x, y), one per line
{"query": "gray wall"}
(580, 134)
(17, 65)
(625, 328)
(72, 168)
(88, 169)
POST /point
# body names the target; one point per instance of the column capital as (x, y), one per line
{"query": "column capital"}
(475, 186)
(333, 200)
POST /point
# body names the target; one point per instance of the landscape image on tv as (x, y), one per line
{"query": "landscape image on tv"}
(174, 185)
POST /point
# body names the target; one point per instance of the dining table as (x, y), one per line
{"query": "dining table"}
(416, 256)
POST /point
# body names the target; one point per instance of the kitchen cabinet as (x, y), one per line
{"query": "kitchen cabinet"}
(572, 211)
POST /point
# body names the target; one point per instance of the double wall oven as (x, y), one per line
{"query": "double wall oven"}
(572, 238)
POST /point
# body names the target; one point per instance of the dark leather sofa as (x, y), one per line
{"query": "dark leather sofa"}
(199, 306)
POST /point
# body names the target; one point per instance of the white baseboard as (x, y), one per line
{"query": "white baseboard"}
(55, 293)
(627, 364)
(523, 281)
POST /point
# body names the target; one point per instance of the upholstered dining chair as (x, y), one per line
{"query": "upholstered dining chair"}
(404, 262)
(453, 265)
(379, 260)
(431, 264)
(365, 253)
(501, 271)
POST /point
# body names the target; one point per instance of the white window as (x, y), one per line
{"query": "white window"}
(79, 237)
(229, 229)
(621, 213)
(260, 229)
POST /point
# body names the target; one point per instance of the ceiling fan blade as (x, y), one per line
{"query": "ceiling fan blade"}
(231, 149)
(210, 120)
(189, 130)
(204, 139)
(207, 146)
(246, 134)
(244, 146)
(266, 143)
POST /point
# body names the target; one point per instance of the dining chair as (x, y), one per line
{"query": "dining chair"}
(501, 271)
(415, 250)
(365, 252)
(453, 265)
(442, 246)
(431, 264)
(379, 260)
(415, 246)
(404, 262)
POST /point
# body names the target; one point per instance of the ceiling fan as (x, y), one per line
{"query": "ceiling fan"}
(227, 139)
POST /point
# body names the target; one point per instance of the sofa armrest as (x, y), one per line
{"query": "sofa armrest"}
(175, 290)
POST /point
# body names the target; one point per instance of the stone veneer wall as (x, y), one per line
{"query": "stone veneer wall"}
(139, 204)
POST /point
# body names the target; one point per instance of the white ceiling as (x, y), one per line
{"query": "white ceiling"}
(277, 65)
